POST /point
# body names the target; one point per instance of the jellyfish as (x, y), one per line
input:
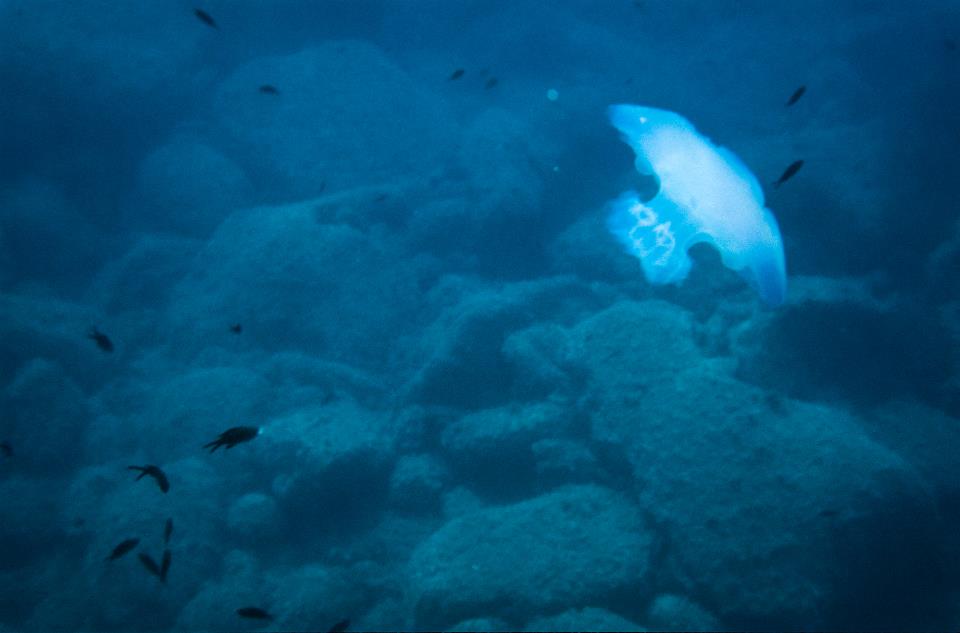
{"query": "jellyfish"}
(705, 194)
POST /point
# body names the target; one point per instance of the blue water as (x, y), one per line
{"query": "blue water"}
(376, 232)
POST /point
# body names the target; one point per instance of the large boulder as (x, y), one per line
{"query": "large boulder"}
(633, 348)
(45, 420)
(36, 326)
(576, 547)
(142, 278)
(345, 116)
(670, 612)
(177, 412)
(493, 448)
(187, 187)
(316, 597)
(300, 598)
(254, 518)
(775, 512)
(540, 359)
(104, 506)
(242, 582)
(834, 341)
(336, 456)
(301, 380)
(468, 361)
(417, 483)
(500, 217)
(587, 619)
(297, 283)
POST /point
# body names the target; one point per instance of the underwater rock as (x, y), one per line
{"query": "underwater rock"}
(464, 365)
(487, 214)
(339, 128)
(314, 594)
(254, 517)
(332, 465)
(177, 414)
(775, 510)
(299, 284)
(541, 361)
(581, 545)
(417, 483)
(503, 156)
(47, 414)
(461, 501)
(632, 347)
(838, 343)
(506, 167)
(187, 187)
(101, 508)
(34, 326)
(586, 619)
(560, 461)
(212, 605)
(928, 439)
(584, 249)
(670, 612)
(492, 449)
(300, 380)
(480, 624)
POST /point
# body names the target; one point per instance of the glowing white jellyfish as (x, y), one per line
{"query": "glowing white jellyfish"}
(706, 194)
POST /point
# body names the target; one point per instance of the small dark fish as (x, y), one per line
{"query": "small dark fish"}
(102, 340)
(340, 626)
(254, 613)
(789, 172)
(950, 44)
(165, 565)
(122, 548)
(167, 531)
(829, 514)
(233, 436)
(153, 471)
(205, 17)
(796, 95)
(6, 448)
(457, 74)
(236, 328)
(267, 89)
(490, 83)
(150, 564)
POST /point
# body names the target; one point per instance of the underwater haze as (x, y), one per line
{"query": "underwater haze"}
(479, 315)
